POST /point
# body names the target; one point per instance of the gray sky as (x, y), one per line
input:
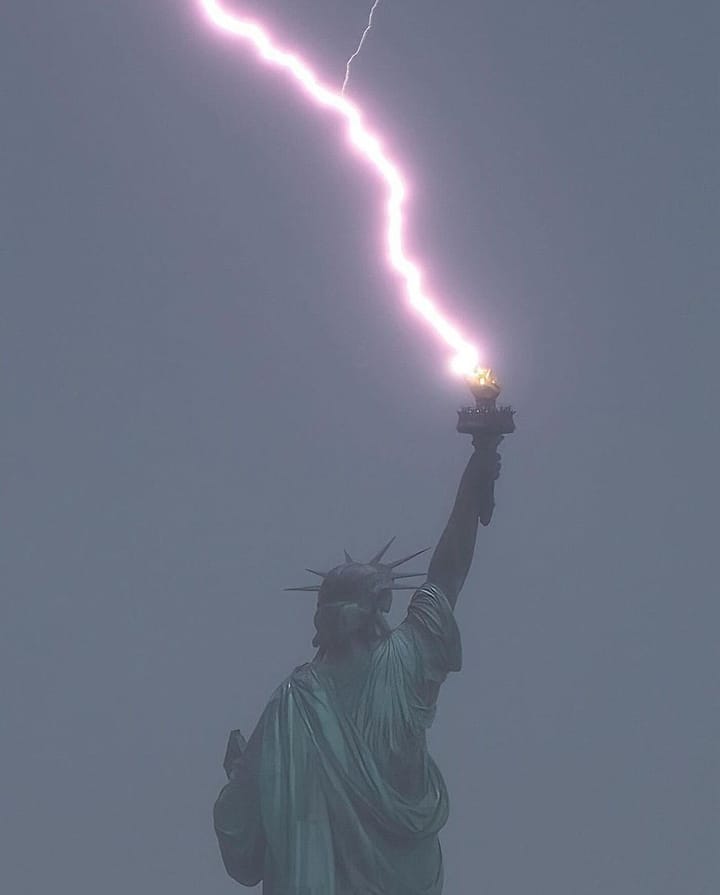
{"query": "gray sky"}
(208, 382)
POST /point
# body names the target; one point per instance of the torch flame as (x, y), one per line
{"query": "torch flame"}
(483, 376)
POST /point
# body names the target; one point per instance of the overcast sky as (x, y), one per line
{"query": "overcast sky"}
(209, 381)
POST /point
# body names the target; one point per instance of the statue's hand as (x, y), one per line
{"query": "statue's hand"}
(486, 461)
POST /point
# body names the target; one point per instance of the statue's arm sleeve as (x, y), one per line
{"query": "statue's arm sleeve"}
(431, 623)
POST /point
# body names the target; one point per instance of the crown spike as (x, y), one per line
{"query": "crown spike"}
(399, 562)
(314, 588)
(348, 558)
(397, 575)
(383, 550)
(319, 574)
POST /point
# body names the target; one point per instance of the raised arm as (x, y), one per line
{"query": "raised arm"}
(453, 555)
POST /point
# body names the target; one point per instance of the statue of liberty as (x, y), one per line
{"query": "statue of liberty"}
(335, 792)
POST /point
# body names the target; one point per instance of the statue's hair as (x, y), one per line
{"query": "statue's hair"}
(354, 597)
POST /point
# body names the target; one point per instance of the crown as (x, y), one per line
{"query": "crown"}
(384, 573)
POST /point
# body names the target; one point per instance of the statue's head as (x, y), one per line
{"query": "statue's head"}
(354, 597)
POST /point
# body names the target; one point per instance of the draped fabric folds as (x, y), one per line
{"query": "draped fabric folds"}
(336, 795)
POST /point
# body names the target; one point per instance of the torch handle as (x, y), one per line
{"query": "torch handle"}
(488, 444)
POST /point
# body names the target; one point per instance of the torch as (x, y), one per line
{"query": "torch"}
(488, 424)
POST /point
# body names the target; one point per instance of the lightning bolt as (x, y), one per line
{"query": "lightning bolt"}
(368, 29)
(370, 149)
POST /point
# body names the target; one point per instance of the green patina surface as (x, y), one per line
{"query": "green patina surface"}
(336, 792)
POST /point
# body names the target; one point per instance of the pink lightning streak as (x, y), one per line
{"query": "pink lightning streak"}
(368, 145)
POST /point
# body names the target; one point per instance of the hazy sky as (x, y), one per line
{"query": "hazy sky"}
(208, 382)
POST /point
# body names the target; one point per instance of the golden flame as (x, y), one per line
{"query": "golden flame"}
(483, 376)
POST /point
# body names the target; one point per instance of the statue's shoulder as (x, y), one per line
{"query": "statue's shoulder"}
(304, 677)
(304, 674)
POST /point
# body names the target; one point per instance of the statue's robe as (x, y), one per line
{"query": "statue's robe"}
(335, 793)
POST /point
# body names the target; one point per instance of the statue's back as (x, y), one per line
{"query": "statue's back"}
(337, 783)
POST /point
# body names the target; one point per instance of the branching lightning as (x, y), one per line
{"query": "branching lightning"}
(371, 151)
(368, 29)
